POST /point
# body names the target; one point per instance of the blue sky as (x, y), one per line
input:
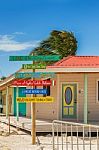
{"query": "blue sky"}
(24, 23)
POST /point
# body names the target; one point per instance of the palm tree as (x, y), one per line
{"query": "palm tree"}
(62, 43)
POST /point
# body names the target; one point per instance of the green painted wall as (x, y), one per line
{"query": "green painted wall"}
(22, 106)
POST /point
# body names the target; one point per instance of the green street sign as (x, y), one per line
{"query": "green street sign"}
(21, 75)
(32, 58)
(32, 66)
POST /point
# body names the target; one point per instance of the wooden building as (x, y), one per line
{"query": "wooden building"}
(76, 93)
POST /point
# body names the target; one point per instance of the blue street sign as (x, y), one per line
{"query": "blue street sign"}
(35, 91)
(21, 75)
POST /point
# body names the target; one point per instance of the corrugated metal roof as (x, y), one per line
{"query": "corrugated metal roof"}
(77, 62)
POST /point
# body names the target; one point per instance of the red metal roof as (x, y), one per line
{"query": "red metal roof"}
(77, 62)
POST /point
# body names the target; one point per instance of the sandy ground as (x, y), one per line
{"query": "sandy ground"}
(19, 140)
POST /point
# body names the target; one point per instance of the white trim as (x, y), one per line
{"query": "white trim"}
(77, 98)
(7, 105)
(58, 100)
(61, 69)
(17, 86)
(1, 84)
(97, 101)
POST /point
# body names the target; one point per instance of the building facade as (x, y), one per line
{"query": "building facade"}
(76, 93)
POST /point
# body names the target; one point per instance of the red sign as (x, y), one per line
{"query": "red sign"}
(32, 83)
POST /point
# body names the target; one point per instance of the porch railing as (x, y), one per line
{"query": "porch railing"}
(75, 136)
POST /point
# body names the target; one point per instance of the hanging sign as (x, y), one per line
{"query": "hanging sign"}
(35, 91)
(32, 66)
(34, 58)
(32, 82)
(21, 75)
(47, 99)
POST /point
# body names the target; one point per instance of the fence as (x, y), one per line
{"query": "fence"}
(74, 136)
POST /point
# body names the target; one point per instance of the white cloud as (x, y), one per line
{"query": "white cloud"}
(19, 33)
(8, 43)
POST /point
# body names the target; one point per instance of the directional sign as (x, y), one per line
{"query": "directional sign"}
(35, 91)
(32, 66)
(32, 82)
(47, 99)
(34, 58)
(21, 75)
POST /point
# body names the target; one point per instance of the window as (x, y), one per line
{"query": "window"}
(68, 95)
(44, 87)
(4, 99)
(48, 89)
(0, 97)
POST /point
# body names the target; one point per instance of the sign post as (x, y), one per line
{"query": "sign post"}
(33, 83)
(33, 117)
(33, 123)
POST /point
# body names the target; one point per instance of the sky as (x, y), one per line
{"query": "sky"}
(24, 23)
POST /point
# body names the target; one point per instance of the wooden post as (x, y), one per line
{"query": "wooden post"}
(9, 120)
(17, 104)
(7, 102)
(9, 109)
(13, 100)
(33, 123)
(85, 99)
(33, 118)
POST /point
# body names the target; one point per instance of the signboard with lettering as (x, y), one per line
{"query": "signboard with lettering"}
(32, 66)
(35, 91)
(35, 58)
(21, 75)
(25, 82)
(47, 99)
(28, 82)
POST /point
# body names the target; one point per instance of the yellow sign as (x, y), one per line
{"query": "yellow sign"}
(47, 99)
